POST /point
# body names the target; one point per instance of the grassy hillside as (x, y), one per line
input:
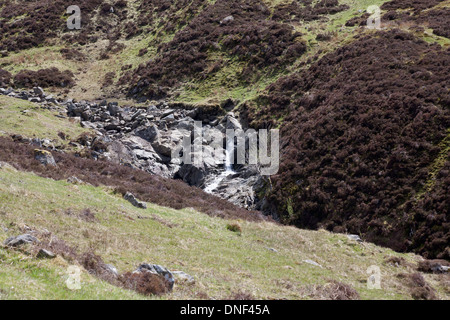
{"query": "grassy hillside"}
(32, 121)
(224, 263)
(364, 118)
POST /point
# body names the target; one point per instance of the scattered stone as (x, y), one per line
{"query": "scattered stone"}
(132, 199)
(45, 254)
(354, 237)
(167, 112)
(35, 99)
(227, 19)
(311, 262)
(20, 240)
(111, 270)
(44, 157)
(74, 180)
(434, 266)
(38, 91)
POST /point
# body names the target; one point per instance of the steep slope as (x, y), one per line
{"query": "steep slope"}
(265, 260)
(365, 135)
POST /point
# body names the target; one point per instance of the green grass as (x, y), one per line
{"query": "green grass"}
(24, 277)
(221, 261)
(30, 120)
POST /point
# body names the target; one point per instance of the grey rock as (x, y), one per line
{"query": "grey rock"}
(51, 99)
(157, 269)
(38, 91)
(150, 133)
(311, 262)
(185, 124)
(74, 180)
(167, 112)
(192, 113)
(354, 237)
(132, 199)
(35, 99)
(232, 122)
(45, 254)
(192, 175)
(227, 19)
(20, 240)
(44, 157)
(170, 117)
(143, 154)
(111, 270)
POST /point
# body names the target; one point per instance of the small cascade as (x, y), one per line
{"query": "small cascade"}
(229, 155)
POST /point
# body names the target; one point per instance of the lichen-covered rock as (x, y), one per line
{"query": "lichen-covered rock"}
(45, 157)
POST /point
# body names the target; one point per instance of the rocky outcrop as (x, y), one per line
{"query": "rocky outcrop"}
(144, 138)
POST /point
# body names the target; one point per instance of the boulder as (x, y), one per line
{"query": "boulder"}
(110, 269)
(157, 269)
(232, 122)
(38, 91)
(132, 199)
(191, 174)
(227, 19)
(20, 240)
(45, 157)
(114, 109)
(354, 237)
(150, 133)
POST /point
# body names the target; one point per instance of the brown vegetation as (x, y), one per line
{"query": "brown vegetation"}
(334, 290)
(145, 283)
(362, 129)
(239, 29)
(420, 289)
(51, 77)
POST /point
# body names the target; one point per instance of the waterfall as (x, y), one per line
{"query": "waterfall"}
(229, 156)
(229, 160)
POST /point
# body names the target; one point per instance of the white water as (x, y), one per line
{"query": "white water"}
(229, 155)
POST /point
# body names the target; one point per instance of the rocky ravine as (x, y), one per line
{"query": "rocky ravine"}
(144, 137)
